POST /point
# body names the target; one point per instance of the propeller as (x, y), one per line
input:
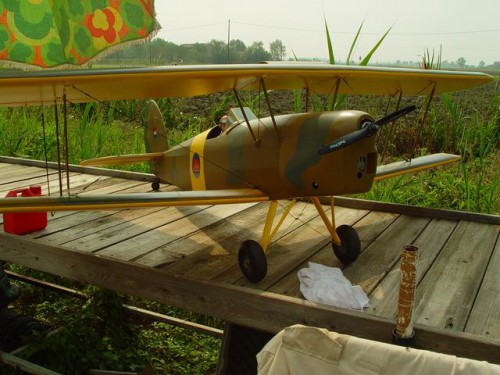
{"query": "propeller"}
(367, 130)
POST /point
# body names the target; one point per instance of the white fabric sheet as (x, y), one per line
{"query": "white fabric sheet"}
(327, 285)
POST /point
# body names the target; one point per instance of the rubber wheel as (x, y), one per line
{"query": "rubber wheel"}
(252, 260)
(350, 246)
(155, 186)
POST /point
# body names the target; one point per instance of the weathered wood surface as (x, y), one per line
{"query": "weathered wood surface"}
(187, 257)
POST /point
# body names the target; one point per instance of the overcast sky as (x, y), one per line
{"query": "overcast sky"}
(469, 29)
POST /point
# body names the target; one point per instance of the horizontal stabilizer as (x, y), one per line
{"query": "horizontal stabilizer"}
(122, 159)
(132, 200)
(414, 165)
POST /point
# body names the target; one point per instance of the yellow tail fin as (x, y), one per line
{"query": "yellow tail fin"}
(123, 159)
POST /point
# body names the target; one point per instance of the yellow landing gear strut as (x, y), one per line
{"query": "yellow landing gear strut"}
(345, 240)
(252, 254)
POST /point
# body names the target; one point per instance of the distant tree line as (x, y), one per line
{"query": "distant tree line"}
(161, 52)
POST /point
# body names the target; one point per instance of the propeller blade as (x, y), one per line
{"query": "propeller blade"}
(344, 141)
(369, 129)
(395, 115)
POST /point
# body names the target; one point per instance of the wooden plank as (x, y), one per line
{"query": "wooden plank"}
(78, 183)
(448, 290)
(190, 221)
(203, 248)
(363, 204)
(383, 299)
(369, 227)
(380, 257)
(285, 253)
(22, 174)
(265, 311)
(68, 219)
(121, 226)
(79, 169)
(116, 185)
(219, 261)
(484, 319)
(38, 180)
(21, 364)
(103, 226)
(293, 251)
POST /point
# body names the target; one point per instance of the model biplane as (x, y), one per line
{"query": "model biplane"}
(301, 155)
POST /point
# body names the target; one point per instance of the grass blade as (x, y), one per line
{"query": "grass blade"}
(330, 45)
(354, 42)
(367, 58)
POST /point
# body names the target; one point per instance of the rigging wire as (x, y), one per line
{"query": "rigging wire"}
(44, 135)
(58, 149)
(145, 126)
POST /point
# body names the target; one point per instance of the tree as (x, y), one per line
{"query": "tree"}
(278, 50)
(461, 62)
(237, 51)
(256, 53)
(482, 64)
(217, 52)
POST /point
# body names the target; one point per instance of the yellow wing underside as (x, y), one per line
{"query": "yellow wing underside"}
(47, 87)
(414, 165)
(132, 200)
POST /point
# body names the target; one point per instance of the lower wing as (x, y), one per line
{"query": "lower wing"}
(133, 200)
(414, 165)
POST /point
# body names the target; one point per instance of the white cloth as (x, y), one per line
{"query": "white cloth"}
(328, 285)
(300, 350)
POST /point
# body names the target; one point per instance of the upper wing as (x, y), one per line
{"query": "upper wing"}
(132, 200)
(47, 87)
(414, 165)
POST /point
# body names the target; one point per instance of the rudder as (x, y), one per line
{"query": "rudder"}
(155, 133)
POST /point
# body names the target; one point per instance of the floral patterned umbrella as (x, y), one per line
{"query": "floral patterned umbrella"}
(59, 33)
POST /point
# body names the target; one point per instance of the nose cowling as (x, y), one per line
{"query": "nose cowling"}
(307, 173)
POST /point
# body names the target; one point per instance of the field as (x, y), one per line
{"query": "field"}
(467, 123)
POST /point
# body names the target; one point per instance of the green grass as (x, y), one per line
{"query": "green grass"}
(95, 333)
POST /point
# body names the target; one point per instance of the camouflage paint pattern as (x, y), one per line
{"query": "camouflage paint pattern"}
(284, 167)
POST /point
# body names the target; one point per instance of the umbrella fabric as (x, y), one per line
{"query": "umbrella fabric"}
(53, 33)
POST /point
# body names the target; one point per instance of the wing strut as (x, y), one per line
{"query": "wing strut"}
(270, 108)
(335, 95)
(240, 104)
(424, 118)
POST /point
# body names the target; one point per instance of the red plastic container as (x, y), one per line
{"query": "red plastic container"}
(24, 222)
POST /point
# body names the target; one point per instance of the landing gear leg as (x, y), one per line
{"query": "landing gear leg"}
(345, 240)
(252, 254)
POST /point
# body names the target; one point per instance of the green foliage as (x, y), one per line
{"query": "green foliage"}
(333, 101)
(177, 352)
(257, 53)
(331, 55)
(431, 61)
(467, 124)
(277, 50)
(161, 52)
(95, 333)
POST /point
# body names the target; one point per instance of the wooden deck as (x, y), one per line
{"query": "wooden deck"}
(187, 257)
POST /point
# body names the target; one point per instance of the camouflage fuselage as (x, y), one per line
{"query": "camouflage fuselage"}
(283, 163)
